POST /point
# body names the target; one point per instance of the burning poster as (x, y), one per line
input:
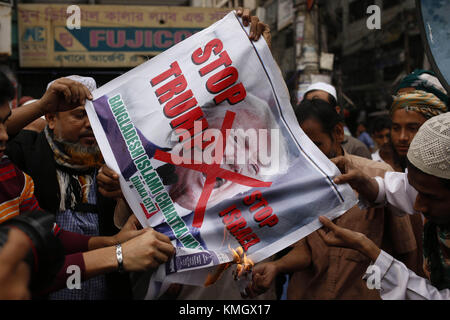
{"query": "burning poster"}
(245, 177)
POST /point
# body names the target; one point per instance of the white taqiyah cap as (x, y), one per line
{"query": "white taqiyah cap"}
(323, 87)
(87, 81)
(430, 149)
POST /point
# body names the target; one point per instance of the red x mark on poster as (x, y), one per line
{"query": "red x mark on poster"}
(212, 171)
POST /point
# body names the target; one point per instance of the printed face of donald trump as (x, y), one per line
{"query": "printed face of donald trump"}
(248, 144)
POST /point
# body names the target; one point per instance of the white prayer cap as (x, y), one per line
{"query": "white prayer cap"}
(430, 149)
(323, 87)
(87, 81)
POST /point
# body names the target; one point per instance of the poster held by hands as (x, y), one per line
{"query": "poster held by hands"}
(239, 171)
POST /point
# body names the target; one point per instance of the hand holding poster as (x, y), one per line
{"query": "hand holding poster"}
(214, 108)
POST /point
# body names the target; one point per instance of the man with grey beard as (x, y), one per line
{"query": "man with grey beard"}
(63, 161)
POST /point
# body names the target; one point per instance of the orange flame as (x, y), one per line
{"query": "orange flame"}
(236, 254)
(248, 262)
(243, 264)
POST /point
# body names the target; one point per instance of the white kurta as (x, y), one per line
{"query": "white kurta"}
(397, 281)
(396, 191)
(400, 283)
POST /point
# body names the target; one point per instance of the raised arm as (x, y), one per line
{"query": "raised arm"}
(62, 95)
(396, 281)
(393, 189)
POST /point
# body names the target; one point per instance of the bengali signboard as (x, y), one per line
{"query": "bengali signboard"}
(109, 36)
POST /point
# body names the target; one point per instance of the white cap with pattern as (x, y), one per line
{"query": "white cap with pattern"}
(322, 86)
(87, 81)
(430, 149)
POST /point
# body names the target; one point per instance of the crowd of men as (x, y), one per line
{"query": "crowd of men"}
(400, 169)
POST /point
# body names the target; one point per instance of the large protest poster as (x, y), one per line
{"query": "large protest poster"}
(216, 107)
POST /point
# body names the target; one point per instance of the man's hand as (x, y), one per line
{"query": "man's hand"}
(147, 251)
(263, 276)
(366, 186)
(257, 28)
(131, 229)
(14, 272)
(63, 95)
(108, 183)
(341, 237)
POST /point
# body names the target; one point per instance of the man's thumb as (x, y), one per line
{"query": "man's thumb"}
(344, 178)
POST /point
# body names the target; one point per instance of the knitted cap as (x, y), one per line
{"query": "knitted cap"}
(87, 81)
(430, 149)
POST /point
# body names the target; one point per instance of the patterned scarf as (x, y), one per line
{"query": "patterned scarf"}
(420, 101)
(424, 80)
(75, 172)
(66, 154)
(436, 252)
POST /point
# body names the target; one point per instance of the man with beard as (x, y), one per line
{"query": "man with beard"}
(63, 161)
(129, 250)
